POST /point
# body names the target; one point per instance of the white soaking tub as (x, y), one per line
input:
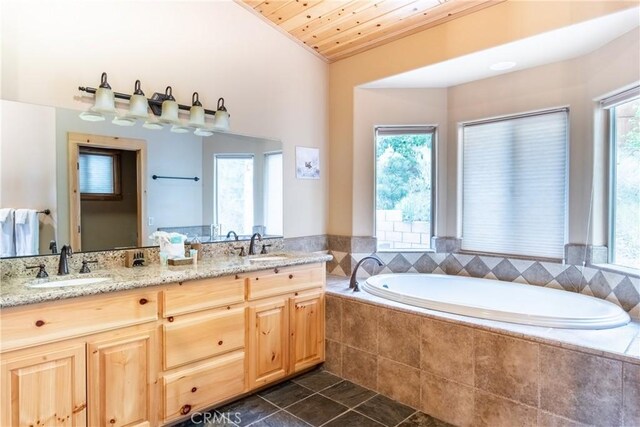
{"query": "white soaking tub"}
(498, 300)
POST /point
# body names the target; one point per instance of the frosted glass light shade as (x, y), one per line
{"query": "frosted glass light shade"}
(221, 120)
(92, 116)
(138, 107)
(105, 102)
(169, 112)
(124, 121)
(196, 116)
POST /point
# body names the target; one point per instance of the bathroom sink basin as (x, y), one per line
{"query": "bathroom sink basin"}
(268, 258)
(68, 282)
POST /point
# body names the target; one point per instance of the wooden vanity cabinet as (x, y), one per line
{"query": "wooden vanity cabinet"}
(152, 356)
(44, 386)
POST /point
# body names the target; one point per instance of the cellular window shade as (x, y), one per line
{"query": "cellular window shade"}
(96, 174)
(514, 185)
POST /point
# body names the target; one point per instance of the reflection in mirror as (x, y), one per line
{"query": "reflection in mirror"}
(97, 181)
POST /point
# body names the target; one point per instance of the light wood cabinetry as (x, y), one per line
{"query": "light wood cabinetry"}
(121, 379)
(268, 341)
(307, 330)
(152, 356)
(45, 387)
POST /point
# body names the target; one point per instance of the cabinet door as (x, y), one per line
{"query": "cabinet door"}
(121, 379)
(307, 330)
(268, 341)
(44, 387)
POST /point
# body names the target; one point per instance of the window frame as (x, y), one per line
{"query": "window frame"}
(216, 156)
(116, 156)
(265, 183)
(609, 104)
(567, 172)
(434, 130)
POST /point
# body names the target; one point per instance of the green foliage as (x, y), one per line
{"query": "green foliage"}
(404, 175)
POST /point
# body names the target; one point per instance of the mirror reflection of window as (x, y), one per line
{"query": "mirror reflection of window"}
(234, 192)
(273, 193)
(99, 174)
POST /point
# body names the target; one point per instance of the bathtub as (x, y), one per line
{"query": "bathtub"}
(498, 300)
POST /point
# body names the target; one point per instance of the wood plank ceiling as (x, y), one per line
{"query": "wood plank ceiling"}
(337, 29)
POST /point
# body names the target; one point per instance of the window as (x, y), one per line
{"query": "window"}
(624, 207)
(514, 184)
(99, 174)
(404, 187)
(273, 193)
(234, 192)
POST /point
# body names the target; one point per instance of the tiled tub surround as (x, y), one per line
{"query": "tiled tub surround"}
(14, 292)
(621, 289)
(470, 371)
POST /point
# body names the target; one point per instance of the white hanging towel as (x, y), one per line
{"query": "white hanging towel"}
(27, 232)
(7, 240)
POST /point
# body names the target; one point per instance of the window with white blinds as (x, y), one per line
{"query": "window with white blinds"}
(99, 174)
(515, 184)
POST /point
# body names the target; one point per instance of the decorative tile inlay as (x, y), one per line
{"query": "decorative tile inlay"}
(425, 264)
(452, 265)
(599, 286)
(477, 268)
(505, 271)
(399, 264)
(537, 275)
(571, 279)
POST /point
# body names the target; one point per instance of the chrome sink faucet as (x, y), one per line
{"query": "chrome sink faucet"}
(252, 244)
(353, 283)
(63, 265)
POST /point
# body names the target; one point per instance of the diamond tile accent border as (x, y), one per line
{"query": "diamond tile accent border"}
(621, 289)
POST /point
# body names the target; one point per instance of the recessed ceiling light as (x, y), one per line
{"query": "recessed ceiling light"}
(500, 66)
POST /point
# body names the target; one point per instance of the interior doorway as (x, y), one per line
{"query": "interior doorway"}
(107, 192)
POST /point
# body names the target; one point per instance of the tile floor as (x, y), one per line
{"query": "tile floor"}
(317, 398)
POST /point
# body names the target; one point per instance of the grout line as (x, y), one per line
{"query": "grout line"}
(406, 418)
(297, 418)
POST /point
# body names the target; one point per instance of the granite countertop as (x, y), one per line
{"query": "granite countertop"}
(15, 291)
(621, 343)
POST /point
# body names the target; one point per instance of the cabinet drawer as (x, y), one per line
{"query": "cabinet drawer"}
(196, 337)
(202, 386)
(284, 280)
(202, 294)
(53, 321)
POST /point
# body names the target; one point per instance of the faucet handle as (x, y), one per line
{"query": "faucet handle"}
(242, 252)
(264, 249)
(85, 267)
(42, 273)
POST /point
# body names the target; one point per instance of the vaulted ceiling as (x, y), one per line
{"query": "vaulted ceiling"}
(337, 29)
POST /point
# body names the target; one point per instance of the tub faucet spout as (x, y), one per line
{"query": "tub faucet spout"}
(353, 283)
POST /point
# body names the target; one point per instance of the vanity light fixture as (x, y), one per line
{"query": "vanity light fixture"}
(163, 105)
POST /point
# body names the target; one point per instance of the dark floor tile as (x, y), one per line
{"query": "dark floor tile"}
(285, 394)
(317, 380)
(385, 410)
(316, 410)
(348, 393)
(280, 419)
(248, 410)
(353, 419)
(420, 419)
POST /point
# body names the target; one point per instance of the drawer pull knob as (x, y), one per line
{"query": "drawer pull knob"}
(296, 294)
(220, 342)
(170, 318)
(39, 323)
(143, 301)
(237, 277)
(112, 421)
(194, 389)
(291, 276)
(185, 409)
(275, 270)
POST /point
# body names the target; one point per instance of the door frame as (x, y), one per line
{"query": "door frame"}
(77, 140)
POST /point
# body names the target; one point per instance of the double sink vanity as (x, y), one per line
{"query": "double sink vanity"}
(149, 346)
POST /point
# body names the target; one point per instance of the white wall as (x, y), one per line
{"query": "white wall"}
(28, 162)
(272, 86)
(375, 107)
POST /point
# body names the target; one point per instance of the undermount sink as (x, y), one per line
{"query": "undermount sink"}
(68, 282)
(268, 258)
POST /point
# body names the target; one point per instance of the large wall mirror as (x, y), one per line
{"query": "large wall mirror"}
(99, 186)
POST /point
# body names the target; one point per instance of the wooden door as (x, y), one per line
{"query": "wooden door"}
(307, 330)
(268, 341)
(44, 386)
(121, 380)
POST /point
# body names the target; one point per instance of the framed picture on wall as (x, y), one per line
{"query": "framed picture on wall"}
(307, 163)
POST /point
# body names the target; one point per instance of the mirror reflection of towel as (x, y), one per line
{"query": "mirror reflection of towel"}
(27, 232)
(7, 242)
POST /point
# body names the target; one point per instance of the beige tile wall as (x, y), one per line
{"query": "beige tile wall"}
(467, 376)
